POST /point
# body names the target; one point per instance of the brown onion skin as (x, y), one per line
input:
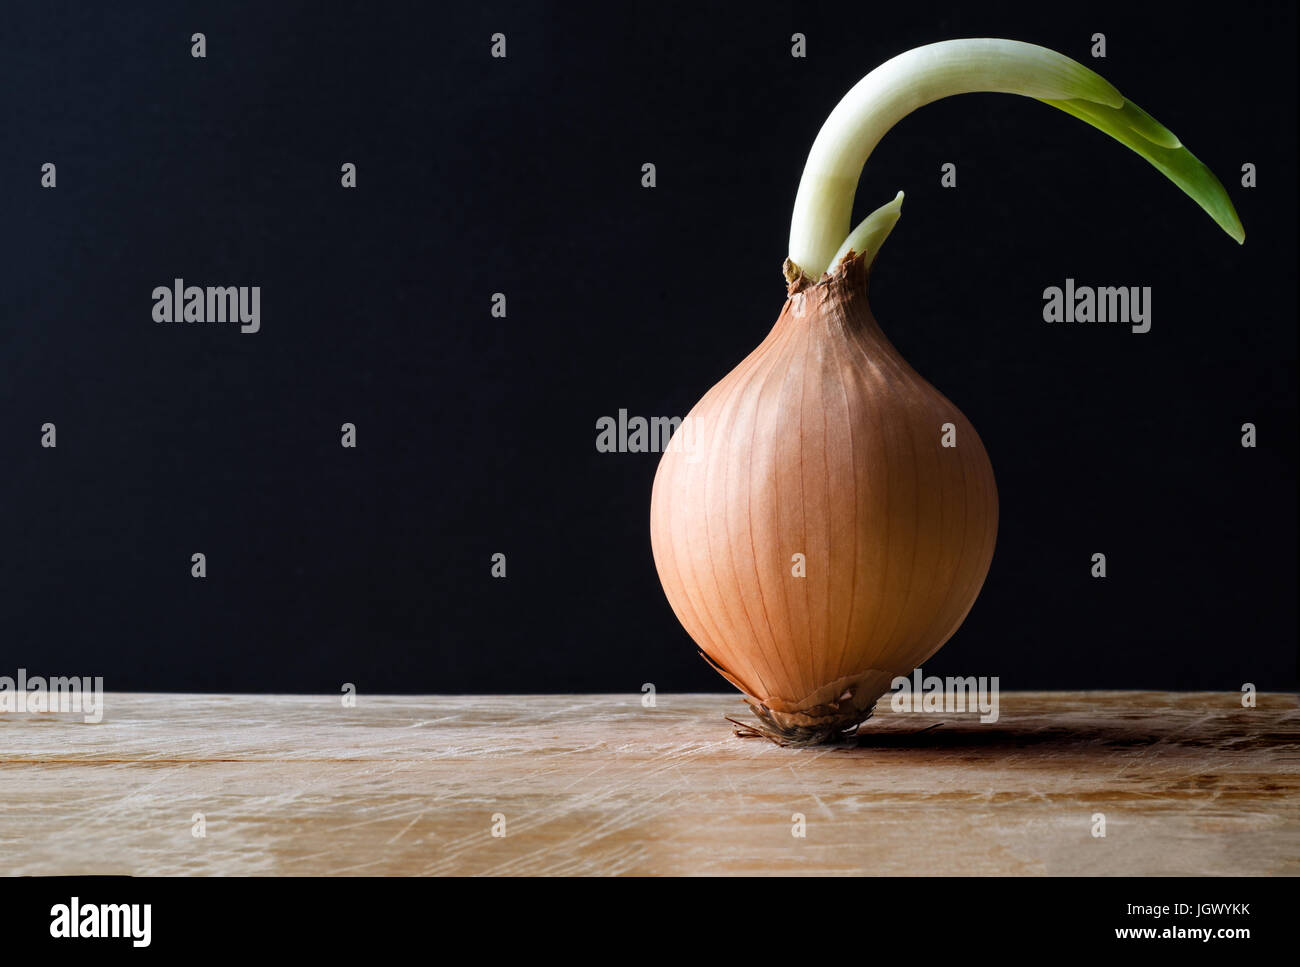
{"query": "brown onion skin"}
(824, 442)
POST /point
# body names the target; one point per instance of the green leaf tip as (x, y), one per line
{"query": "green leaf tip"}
(871, 232)
(1136, 129)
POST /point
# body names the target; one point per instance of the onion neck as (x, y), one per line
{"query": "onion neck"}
(838, 301)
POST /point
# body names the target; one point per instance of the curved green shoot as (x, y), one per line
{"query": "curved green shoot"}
(819, 228)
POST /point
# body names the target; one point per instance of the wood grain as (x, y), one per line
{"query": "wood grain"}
(1189, 783)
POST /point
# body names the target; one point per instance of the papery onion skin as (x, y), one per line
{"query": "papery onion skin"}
(822, 442)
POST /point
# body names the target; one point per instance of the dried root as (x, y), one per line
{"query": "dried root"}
(823, 725)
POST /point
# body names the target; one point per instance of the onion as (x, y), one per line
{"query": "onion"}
(829, 517)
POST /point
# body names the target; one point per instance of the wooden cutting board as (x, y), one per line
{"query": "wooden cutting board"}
(1187, 783)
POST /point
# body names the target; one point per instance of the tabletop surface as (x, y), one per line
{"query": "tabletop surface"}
(1062, 783)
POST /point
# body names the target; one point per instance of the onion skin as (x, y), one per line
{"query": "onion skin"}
(822, 442)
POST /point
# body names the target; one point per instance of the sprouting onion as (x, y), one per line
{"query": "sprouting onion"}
(830, 519)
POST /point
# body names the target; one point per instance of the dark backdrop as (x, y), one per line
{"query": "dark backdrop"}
(477, 435)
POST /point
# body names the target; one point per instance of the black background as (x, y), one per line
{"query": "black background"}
(476, 435)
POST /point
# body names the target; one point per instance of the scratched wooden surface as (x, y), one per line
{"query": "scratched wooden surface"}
(1189, 783)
